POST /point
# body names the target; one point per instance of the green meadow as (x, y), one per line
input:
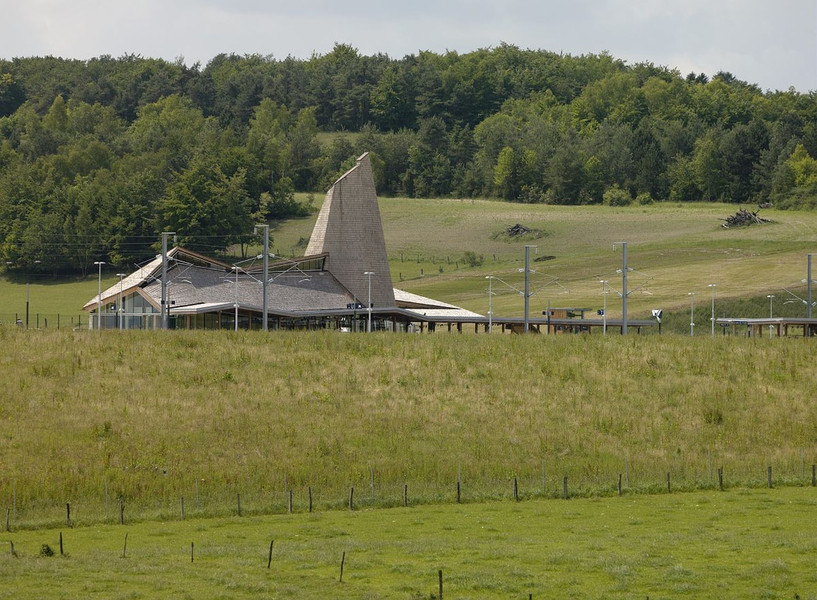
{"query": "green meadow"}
(742, 543)
(673, 250)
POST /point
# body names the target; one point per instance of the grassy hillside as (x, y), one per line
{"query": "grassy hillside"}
(673, 250)
(152, 416)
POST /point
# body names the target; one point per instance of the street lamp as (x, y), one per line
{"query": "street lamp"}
(712, 287)
(265, 310)
(771, 313)
(235, 304)
(527, 284)
(604, 309)
(691, 313)
(809, 285)
(369, 306)
(490, 279)
(99, 264)
(121, 308)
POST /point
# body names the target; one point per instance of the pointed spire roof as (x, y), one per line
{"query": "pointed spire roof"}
(350, 231)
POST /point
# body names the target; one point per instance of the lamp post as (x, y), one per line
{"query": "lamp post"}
(691, 313)
(712, 318)
(624, 292)
(527, 286)
(369, 303)
(490, 279)
(235, 303)
(99, 264)
(771, 313)
(604, 309)
(809, 285)
(265, 310)
(165, 307)
(121, 308)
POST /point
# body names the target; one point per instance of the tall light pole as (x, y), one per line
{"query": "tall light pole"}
(527, 286)
(604, 309)
(235, 303)
(265, 310)
(490, 279)
(771, 313)
(165, 235)
(691, 313)
(809, 285)
(624, 293)
(712, 287)
(369, 303)
(99, 264)
(121, 308)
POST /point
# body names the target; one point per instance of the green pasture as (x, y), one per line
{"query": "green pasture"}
(673, 250)
(740, 543)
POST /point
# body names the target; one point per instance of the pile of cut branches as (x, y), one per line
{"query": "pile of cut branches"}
(744, 218)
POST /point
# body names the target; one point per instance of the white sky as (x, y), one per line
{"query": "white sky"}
(772, 43)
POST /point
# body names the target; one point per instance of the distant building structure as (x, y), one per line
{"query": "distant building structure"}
(345, 265)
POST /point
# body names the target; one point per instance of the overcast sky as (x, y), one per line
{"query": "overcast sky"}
(772, 43)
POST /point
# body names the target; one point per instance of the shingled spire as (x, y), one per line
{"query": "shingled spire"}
(350, 230)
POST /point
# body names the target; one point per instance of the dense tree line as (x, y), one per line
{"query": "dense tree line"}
(98, 156)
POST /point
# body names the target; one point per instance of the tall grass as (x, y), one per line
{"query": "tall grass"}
(89, 417)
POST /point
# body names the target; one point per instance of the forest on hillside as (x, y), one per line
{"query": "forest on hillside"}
(98, 156)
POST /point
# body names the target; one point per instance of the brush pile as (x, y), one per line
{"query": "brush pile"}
(517, 230)
(744, 218)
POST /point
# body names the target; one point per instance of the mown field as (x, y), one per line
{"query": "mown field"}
(705, 545)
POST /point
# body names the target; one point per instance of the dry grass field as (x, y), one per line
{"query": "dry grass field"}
(152, 416)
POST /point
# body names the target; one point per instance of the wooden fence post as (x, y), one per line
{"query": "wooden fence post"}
(669, 487)
(342, 561)
(813, 475)
(565, 488)
(441, 584)
(181, 502)
(515, 489)
(61, 552)
(770, 476)
(121, 511)
(310, 498)
(405, 494)
(68, 514)
(269, 560)
(352, 498)
(619, 484)
(720, 477)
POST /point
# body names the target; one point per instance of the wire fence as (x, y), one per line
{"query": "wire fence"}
(44, 320)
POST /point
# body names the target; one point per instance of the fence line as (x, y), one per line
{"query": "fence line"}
(393, 495)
